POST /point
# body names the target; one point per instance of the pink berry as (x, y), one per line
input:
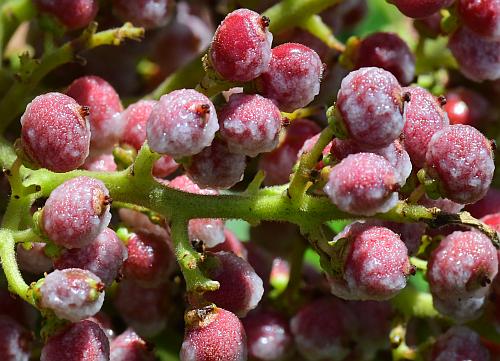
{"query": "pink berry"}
(459, 343)
(370, 104)
(213, 334)
(55, 132)
(103, 257)
(143, 309)
(461, 159)
(420, 8)
(15, 340)
(293, 77)
(321, 328)
(268, 336)
(478, 58)
(442, 203)
(100, 163)
(374, 262)
(394, 153)
(424, 117)
(387, 51)
(105, 107)
(76, 212)
(208, 230)
(231, 244)
(459, 272)
(410, 233)
(363, 184)
(72, 294)
(74, 14)
(250, 124)
(149, 14)
(216, 167)
(489, 204)
(149, 259)
(240, 288)
(241, 47)
(182, 123)
(309, 144)
(33, 260)
(481, 16)
(83, 340)
(129, 346)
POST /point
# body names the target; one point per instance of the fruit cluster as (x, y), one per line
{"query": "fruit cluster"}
(346, 167)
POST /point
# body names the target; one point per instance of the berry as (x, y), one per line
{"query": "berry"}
(135, 119)
(105, 107)
(182, 123)
(216, 167)
(459, 343)
(83, 340)
(74, 14)
(268, 336)
(231, 244)
(249, 56)
(482, 17)
(129, 346)
(143, 309)
(240, 288)
(374, 262)
(250, 124)
(394, 153)
(442, 203)
(489, 204)
(370, 105)
(208, 230)
(459, 272)
(346, 14)
(293, 77)
(33, 259)
(55, 132)
(410, 233)
(424, 117)
(149, 14)
(420, 8)
(461, 159)
(76, 212)
(100, 163)
(430, 26)
(213, 334)
(465, 106)
(363, 184)
(478, 58)
(15, 341)
(103, 257)
(149, 259)
(72, 294)
(387, 51)
(321, 328)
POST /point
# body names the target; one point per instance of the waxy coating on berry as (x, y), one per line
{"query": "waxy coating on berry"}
(129, 346)
(213, 334)
(149, 14)
(370, 107)
(293, 77)
(74, 14)
(481, 16)
(55, 132)
(72, 294)
(15, 340)
(33, 259)
(249, 56)
(459, 343)
(76, 212)
(182, 123)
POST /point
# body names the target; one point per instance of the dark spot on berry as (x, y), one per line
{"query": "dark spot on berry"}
(442, 100)
(265, 21)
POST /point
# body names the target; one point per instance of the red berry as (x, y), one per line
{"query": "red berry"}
(424, 117)
(182, 123)
(459, 343)
(129, 346)
(387, 51)
(420, 8)
(250, 124)
(15, 340)
(105, 106)
(33, 260)
(149, 14)
(231, 244)
(213, 335)
(481, 16)
(73, 14)
(461, 159)
(489, 204)
(363, 184)
(293, 77)
(100, 163)
(55, 132)
(370, 104)
(83, 340)
(241, 47)
(465, 106)
(76, 212)
(375, 263)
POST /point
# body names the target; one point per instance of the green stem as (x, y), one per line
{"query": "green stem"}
(26, 235)
(315, 25)
(15, 100)
(189, 260)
